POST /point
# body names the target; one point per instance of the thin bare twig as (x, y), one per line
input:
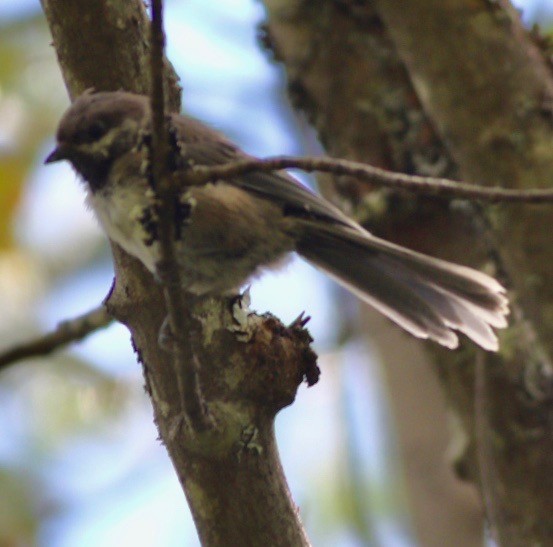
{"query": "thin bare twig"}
(440, 187)
(484, 452)
(71, 330)
(167, 195)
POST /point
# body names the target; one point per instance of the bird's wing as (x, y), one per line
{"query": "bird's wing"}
(277, 187)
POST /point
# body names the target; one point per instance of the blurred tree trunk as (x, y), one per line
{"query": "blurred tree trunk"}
(443, 509)
(451, 88)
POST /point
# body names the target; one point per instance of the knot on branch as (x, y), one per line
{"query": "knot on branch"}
(266, 370)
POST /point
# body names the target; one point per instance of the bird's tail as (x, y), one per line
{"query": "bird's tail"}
(428, 297)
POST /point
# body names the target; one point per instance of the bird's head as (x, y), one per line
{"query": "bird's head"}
(97, 129)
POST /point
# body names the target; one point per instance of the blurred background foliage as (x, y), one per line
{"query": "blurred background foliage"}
(80, 463)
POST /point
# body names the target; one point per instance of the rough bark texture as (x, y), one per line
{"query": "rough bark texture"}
(451, 87)
(231, 473)
(104, 45)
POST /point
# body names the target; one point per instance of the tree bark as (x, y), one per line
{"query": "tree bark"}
(250, 366)
(451, 88)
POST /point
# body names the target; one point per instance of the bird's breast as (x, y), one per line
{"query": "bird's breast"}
(227, 236)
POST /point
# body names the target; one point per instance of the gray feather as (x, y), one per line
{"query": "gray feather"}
(427, 297)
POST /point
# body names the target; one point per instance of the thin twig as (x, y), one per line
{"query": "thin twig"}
(71, 330)
(167, 195)
(484, 452)
(441, 187)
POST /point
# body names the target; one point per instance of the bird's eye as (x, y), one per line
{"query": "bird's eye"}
(96, 131)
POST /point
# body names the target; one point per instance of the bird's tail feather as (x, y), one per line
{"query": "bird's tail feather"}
(428, 297)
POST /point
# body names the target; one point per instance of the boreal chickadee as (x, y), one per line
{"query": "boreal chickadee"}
(231, 230)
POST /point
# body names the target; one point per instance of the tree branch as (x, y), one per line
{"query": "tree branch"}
(231, 475)
(71, 330)
(167, 194)
(433, 186)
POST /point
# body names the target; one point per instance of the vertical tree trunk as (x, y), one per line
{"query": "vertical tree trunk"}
(451, 88)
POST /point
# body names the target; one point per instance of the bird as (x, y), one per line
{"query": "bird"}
(230, 231)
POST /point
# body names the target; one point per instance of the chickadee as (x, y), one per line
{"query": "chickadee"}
(231, 230)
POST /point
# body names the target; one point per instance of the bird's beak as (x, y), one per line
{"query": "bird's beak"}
(59, 153)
